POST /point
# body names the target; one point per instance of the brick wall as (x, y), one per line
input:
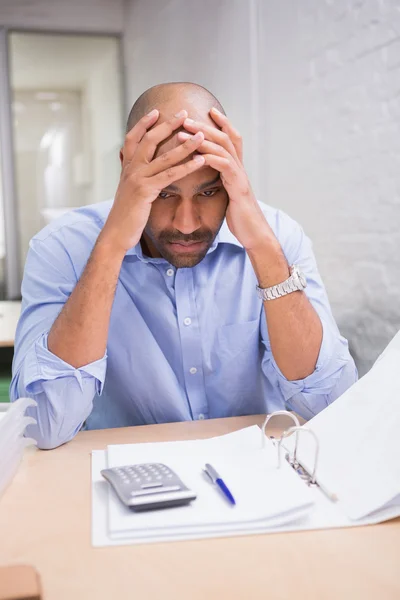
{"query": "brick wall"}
(331, 135)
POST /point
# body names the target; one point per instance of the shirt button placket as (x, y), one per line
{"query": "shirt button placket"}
(191, 342)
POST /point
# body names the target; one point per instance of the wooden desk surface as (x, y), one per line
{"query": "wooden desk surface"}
(9, 315)
(45, 521)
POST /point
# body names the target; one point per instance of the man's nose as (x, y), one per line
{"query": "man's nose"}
(186, 218)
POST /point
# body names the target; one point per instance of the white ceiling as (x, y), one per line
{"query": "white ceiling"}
(56, 61)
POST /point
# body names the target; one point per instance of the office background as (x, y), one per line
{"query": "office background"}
(313, 86)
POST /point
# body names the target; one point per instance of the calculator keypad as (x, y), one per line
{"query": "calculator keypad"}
(146, 476)
(148, 484)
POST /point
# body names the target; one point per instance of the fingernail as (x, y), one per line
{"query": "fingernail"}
(183, 136)
(152, 113)
(199, 159)
(198, 136)
(181, 113)
(189, 121)
(216, 110)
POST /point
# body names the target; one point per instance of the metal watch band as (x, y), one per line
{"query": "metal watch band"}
(296, 282)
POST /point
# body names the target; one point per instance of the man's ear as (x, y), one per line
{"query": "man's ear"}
(121, 157)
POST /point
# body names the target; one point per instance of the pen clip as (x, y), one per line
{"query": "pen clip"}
(208, 475)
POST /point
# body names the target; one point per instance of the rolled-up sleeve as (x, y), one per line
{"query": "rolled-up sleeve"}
(335, 370)
(64, 394)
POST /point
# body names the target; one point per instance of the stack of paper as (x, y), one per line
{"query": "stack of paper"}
(12, 440)
(265, 496)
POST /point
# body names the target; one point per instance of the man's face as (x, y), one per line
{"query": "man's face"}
(186, 217)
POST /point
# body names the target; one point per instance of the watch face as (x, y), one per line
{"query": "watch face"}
(303, 280)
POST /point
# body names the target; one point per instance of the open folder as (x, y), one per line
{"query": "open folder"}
(346, 472)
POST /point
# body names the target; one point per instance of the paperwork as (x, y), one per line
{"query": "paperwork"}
(359, 445)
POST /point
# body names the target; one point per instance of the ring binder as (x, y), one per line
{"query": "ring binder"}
(294, 462)
(310, 479)
(277, 413)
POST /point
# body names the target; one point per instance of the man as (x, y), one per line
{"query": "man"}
(145, 310)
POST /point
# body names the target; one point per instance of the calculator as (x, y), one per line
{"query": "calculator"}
(148, 486)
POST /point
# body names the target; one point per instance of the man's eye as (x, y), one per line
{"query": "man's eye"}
(209, 193)
(164, 195)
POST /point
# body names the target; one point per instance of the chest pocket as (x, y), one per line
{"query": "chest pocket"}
(235, 342)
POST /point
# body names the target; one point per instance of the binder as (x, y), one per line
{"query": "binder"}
(341, 469)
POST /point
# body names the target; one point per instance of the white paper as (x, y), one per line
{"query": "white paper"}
(359, 437)
(324, 515)
(261, 491)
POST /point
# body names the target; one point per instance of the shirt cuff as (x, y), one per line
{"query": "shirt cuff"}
(333, 356)
(46, 366)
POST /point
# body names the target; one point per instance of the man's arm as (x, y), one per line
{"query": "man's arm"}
(294, 328)
(60, 358)
(79, 335)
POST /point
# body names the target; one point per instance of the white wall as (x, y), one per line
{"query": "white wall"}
(211, 42)
(76, 15)
(333, 151)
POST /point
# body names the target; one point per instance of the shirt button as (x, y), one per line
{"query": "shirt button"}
(170, 272)
(193, 370)
(201, 417)
(187, 321)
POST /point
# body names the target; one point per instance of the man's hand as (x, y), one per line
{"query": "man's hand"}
(222, 150)
(143, 178)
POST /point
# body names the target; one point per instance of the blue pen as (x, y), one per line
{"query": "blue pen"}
(216, 479)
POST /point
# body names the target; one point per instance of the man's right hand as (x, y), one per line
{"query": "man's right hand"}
(142, 178)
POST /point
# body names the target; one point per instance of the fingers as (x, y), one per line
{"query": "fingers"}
(206, 147)
(217, 158)
(212, 134)
(135, 135)
(226, 166)
(222, 121)
(175, 156)
(151, 139)
(165, 178)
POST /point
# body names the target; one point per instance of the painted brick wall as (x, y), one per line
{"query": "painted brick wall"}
(332, 147)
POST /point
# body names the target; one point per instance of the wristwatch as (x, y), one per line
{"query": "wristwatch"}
(296, 282)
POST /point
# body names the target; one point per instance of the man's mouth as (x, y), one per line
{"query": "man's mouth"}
(183, 247)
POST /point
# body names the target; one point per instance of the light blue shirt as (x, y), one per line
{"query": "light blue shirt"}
(183, 344)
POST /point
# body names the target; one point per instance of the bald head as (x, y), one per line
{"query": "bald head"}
(169, 98)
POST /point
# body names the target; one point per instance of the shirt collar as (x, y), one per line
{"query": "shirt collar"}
(224, 236)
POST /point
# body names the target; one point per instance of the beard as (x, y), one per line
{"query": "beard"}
(176, 247)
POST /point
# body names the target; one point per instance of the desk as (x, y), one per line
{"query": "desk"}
(45, 521)
(9, 315)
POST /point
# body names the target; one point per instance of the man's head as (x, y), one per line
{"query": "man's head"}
(188, 214)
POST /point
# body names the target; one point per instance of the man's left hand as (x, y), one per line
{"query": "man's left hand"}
(222, 150)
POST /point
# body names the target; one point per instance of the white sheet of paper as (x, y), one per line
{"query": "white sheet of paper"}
(359, 441)
(261, 491)
(324, 515)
